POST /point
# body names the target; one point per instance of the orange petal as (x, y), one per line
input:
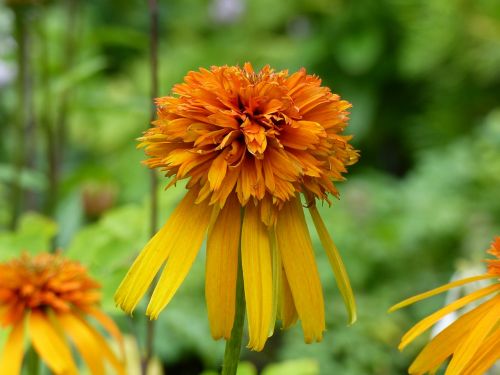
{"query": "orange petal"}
(444, 344)
(51, 347)
(105, 350)
(486, 357)
(426, 323)
(84, 341)
(257, 276)
(221, 269)
(468, 348)
(109, 325)
(217, 171)
(186, 235)
(337, 265)
(288, 312)
(11, 358)
(277, 278)
(297, 255)
(441, 289)
(176, 230)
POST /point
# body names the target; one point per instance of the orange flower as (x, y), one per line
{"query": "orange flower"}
(249, 143)
(473, 340)
(53, 296)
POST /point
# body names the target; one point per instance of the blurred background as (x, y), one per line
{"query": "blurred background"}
(420, 207)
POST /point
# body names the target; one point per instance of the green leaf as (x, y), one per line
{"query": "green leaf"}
(293, 367)
(107, 247)
(34, 235)
(244, 368)
(26, 178)
(79, 73)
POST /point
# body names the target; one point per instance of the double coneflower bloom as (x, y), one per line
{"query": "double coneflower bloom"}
(250, 144)
(473, 340)
(49, 299)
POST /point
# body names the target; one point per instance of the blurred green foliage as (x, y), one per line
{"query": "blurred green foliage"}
(424, 80)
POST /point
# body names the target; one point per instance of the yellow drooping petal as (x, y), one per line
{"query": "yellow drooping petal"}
(445, 343)
(277, 278)
(439, 290)
(222, 268)
(337, 265)
(257, 276)
(297, 254)
(487, 355)
(287, 310)
(51, 347)
(174, 233)
(84, 341)
(468, 348)
(183, 246)
(426, 323)
(11, 358)
(109, 325)
(100, 341)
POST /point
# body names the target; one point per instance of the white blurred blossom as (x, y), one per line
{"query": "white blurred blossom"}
(226, 11)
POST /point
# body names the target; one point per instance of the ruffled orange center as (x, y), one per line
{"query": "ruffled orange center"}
(264, 135)
(43, 281)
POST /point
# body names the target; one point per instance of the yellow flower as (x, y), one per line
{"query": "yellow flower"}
(49, 298)
(249, 143)
(473, 340)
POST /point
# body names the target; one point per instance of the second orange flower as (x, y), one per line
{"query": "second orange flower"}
(50, 299)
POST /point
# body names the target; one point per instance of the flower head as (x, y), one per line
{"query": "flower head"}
(248, 142)
(53, 295)
(263, 135)
(473, 340)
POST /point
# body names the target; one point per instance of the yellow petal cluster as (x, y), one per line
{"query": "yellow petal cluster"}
(473, 340)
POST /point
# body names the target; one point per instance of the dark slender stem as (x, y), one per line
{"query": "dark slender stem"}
(233, 345)
(46, 121)
(154, 15)
(25, 146)
(22, 86)
(30, 128)
(70, 48)
(46, 118)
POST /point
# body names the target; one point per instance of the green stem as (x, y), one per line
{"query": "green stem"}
(154, 41)
(233, 345)
(153, 59)
(45, 111)
(17, 190)
(74, 11)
